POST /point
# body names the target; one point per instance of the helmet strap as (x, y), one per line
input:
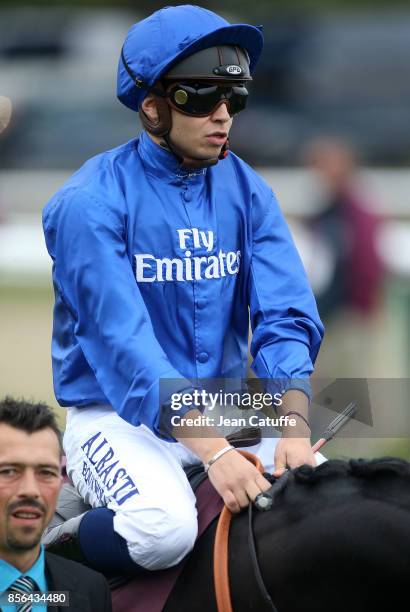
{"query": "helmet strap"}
(193, 162)
(162, 125)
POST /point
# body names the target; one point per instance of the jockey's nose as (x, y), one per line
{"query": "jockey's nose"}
(221, 112)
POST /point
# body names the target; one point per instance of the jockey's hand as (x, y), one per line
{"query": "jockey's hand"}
(294, 449)
(237, 480)
(292, 452)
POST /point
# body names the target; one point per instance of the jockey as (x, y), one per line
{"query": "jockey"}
(161, 248)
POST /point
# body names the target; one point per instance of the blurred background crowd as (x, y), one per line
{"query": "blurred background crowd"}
(328, 126)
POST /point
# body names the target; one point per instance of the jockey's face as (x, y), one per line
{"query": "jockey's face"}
(197, 137)
(201, 137)
(30, 481)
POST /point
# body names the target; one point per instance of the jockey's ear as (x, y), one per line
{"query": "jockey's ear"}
(149, 107)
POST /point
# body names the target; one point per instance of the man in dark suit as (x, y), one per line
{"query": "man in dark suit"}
(30, 481)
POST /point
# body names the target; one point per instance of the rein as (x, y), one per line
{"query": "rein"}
(221, 571)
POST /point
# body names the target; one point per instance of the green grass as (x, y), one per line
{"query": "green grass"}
(25, 359)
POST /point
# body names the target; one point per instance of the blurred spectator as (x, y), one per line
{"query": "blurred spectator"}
(349, 227)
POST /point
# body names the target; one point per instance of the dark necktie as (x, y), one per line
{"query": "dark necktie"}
(23, 586)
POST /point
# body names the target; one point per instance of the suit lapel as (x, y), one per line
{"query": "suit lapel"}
(60, 578)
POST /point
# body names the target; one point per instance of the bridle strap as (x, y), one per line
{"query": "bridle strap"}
(221, 569)
(256, 569)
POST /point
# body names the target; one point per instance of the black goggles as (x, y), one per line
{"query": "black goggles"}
(201, 99)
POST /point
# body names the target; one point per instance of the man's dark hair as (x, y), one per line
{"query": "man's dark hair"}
(28, 416)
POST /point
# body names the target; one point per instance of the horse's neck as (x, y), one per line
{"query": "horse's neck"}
(332, 553)
(329, 546)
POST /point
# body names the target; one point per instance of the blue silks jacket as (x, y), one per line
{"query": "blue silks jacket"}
(155, 271)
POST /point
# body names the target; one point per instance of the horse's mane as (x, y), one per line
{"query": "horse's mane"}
(362, 468)
(371, 476)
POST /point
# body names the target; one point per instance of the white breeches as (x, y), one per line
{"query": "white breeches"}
(141, 478)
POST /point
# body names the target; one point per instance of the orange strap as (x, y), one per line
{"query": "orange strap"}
(221, 572)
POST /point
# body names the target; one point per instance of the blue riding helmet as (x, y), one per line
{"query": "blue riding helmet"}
(169, 35)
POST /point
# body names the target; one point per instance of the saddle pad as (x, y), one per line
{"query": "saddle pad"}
(151, 590)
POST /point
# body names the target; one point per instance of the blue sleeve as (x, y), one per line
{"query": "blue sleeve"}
(94, 276)
(287, 331)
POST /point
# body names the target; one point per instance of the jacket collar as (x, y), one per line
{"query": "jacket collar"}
(59, 579)
(162, 164)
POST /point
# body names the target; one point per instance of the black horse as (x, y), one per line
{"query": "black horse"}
(336, 539)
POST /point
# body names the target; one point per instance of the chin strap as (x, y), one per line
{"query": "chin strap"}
(194, 162)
